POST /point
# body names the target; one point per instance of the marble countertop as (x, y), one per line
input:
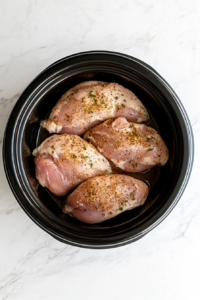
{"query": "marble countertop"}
(165, 264)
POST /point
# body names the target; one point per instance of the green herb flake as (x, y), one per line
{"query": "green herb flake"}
(124, 100)
(116, 98)
(135, 133)
(122, 94)
(68, 117)
(150, 149)
(121, 208)
(95, 102)
(124, 105)
(91, 165)
(84, 148)
(74, 156)
(52, 146)
(70, 98)
(149, 139)
(132, 143)
(102, 102)
(110, 212)
(56, 123)
(91, 94)
(133, 198)
(85, 157)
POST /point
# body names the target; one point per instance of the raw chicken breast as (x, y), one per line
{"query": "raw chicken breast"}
(131, 147)
(91, 102)
(104, 197)
(63, 161)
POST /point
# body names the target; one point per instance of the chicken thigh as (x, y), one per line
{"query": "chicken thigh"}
(131, 147)
(104, 197)
(91, 102)
(63, 161)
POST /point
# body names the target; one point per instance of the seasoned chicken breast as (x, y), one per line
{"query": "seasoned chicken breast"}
(131, 147)
(63, 161)
(91, 102)
(104, 197)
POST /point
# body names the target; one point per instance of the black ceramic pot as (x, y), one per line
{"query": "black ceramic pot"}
(21, 137)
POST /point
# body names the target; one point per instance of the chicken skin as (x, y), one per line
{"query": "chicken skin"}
(104, 197)
(63, 161)
(131, 147)
(91, 102)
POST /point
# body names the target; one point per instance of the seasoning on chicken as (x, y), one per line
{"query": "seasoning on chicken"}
(63, 161)
(131, 147)
(91, 102)
(104, 197)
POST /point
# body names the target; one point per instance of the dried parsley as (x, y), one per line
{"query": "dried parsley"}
(91, 94)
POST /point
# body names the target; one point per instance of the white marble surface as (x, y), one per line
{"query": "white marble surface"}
(165, 264)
